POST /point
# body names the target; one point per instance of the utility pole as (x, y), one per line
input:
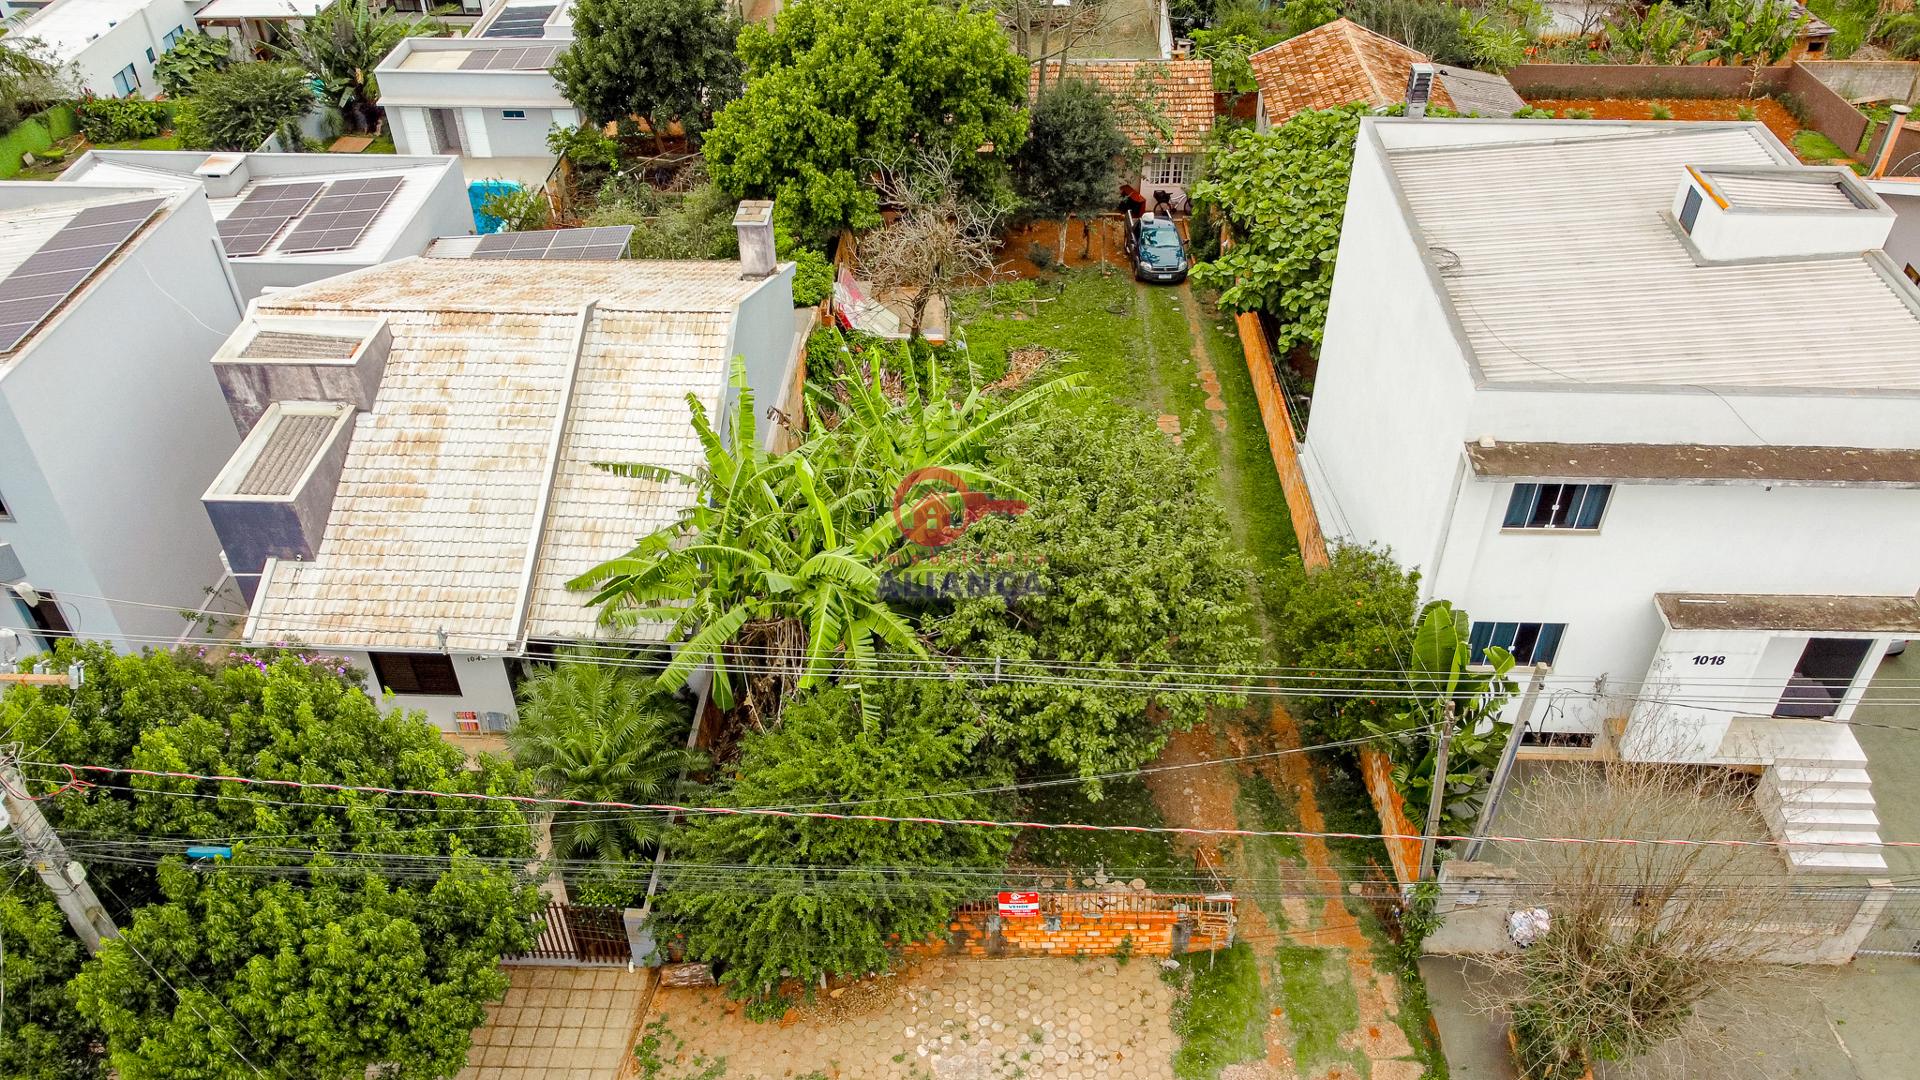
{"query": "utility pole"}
(1504, 770)
(66, 879)
(1437, 795)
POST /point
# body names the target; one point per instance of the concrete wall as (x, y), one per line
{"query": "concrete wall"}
(96, 63)
(763, 333)
(1903, 244)
(1357, 427)
(485, 131)
(1638, 80)
(114, 428)
(1866, 80)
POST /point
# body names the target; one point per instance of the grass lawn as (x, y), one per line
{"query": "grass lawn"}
(382, 144)
(1820, 150)
(1320, 1006)
(1221, 1013)
(158, 142)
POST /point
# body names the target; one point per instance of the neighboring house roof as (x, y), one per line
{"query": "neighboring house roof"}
(1816, 26)
(27, 226)
(468, 496)
(67, 27)
(1556, 251)
(1480, 93)
(1628, 463)
(265, 10)
(418, 176)
(1184, 88)
(1334, 65)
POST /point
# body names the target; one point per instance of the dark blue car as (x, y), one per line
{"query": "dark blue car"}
(1158, 253)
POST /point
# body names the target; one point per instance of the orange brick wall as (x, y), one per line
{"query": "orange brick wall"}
(1377, 769)
(1080, 924)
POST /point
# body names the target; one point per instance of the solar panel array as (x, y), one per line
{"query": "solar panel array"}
(69, 257)
(520, 22)
(338, 218)
(531, 58)
(604, 243)
(260, 216)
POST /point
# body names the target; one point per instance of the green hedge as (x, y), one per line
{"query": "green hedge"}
(35, 134)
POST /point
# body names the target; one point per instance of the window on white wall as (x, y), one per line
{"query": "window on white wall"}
(173, 35)
(513, 114)
(1529, 642)
(1557, 506)
(127, 82)
(1175, 169)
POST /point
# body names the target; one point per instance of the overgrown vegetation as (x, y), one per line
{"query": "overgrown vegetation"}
(1220, 1013)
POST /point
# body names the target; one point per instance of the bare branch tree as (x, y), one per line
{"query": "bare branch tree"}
(1652, 949)
(1046, 33)
(937, 237)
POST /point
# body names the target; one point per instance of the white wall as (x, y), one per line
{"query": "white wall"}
(484, 688)
(1903, 246)
(1393, 391)
(484, 131)
(96, 62)
(116, 427)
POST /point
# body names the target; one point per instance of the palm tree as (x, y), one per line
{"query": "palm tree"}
(599, 732)
(776, 570)
(343, 44)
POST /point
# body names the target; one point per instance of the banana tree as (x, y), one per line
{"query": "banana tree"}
(1443, 672)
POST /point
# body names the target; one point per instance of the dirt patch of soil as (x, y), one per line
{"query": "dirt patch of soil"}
(1766, 110)
(1087, 242)
(1191, 794)
(1021, 364)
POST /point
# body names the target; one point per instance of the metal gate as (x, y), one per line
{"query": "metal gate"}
(1898, 932)
(579, 934)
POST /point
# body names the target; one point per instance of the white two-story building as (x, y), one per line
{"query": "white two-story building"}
(1644, 400)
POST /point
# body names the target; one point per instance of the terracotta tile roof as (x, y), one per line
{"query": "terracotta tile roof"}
(1186, 92)
(1333, 65)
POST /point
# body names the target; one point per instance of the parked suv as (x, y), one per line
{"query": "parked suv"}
(1154, 244)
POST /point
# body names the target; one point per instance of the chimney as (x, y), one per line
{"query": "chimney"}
(754, 222)
(1887, 144)
(1419, 89)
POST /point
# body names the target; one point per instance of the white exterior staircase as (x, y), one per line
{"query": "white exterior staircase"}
(1816, 796)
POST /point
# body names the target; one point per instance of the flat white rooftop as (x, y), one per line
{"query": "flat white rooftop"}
(1554, 244)
(69, 26)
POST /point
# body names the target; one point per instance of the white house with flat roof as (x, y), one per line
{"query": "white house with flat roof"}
(489, 97)
(110, 45)
(1644, 400)
(110, 422)
(267, 206)
(416, 484)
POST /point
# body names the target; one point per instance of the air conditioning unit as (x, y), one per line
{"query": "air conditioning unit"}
(496, 721)
(1420, 89)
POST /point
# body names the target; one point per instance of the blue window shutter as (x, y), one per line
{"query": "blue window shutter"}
(1478, 637)
(1549, 642)
(1520, 505)
(1593, 506)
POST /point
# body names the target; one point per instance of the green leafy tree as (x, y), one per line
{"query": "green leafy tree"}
(1133, 568)
(836, 88)
(1749, 33)
(30, 76)
(1070, 162)
(1284, 192)
(45, 1037)
(1428, 26)
(602, 733)
(812, 896)
(663, 61)
(1499, 34)
(192, 56)
(306, 951)
(1299, 16)
(1658, 35)
(238, 108)
(1354, 616)
(343, 44)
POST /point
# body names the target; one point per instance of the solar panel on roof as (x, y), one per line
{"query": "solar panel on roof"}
(339, 217)
(600, 244)
(60, 265)
(520, 22)
(252, 224)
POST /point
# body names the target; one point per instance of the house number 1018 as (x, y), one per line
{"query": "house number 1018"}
(1709, 661)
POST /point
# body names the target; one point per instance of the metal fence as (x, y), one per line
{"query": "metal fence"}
(1898, 932)
(578, 934)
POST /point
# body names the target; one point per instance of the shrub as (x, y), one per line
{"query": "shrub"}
(520, 210)
(812, 278)
(191, 57)
(240, 107)
(106, 120)
(585, 145)
(1356, 615)
(1659, 112)
(1577, 114)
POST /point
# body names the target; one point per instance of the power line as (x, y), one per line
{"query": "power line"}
(986, 823)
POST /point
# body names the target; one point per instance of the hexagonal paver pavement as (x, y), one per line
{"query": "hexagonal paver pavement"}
(559, 1024)
(947, 1020)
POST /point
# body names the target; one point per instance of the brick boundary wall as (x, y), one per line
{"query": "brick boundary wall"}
(1377, 770)
(1090, 924)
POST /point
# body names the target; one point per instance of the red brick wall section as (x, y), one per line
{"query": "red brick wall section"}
(1826, 112)
(1377, 769)
(1089, 924)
